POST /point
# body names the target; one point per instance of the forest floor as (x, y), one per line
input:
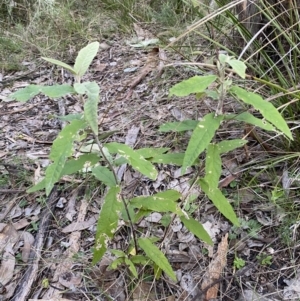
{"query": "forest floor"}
(46, 242)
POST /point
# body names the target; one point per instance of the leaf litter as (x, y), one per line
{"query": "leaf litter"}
(54, 242)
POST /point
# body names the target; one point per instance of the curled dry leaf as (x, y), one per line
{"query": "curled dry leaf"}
(215, 269)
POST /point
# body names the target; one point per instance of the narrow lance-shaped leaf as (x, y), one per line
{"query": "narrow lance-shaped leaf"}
(71, 166)
(194, 84)
(165, 201)
(104, 175)
(85, 57)
(60, 64)
(137, 161)
(26, 93)
(172, 158)
(57, 91)
(91, 89)
(226, 146)
(219, 200)
(269, 112)
(249, 118)
(151, 152)
(213, 165)
(107, 222)
(60, 151)
(90, 112)
(156, 256)
(197, 229)
(201, 137)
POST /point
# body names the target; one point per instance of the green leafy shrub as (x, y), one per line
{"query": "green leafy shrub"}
(102, 162)
(114, 205)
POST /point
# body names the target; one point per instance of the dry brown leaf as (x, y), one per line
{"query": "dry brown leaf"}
(8, 235)
(70, 210)
(143, 292)
(215, 269)
(225, 182)
(8, 238)
(52, 299)
(28, 242)
(70, 280)
(24, 222)
(74, 246)
(78, 226)
(151, 64)
(7, 264)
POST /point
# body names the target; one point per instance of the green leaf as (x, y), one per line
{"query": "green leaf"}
(107, 222)
(91, 105)
(85, 57)
(194, 84)
(219, 200)
(118, 253)
(161, 202)
(249, 118)
(138, 162)
(104, 175)
(56, 91)
(182, 126)
(80, 88)
(151, 152)
(140, 259)
(71, 166)
(197, 229)
(239, 67)
(213, 166)
(172, 158)
(115, 263)
(50, 91)
(226, 146)
(201, 137)
(39, 186)
(131, 267)
(90, 113)
(78, 164)
(26, 93)
(60, 151)
(156, 256)
(269, 112)
(60, 64)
